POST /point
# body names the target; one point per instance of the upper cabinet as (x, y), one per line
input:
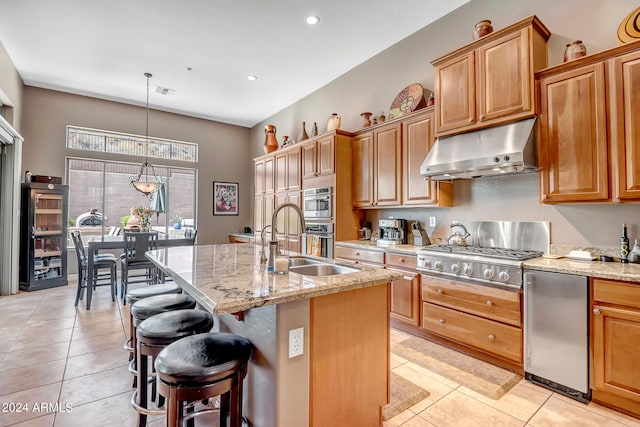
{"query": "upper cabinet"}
(264, 175)
(588, 149)
(318, 157)
(386, 165)
(287, 170)
(490, 81)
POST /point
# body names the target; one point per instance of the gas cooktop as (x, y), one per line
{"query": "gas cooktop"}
(502, 253)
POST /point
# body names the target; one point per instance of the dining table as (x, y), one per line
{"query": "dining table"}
(97, 243)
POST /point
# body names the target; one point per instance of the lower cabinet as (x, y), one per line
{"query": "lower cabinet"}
(372, 257)
(615, 363)
(481, 318)
(405, 292)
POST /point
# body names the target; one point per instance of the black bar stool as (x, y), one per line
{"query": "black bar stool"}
(200, 367)
(135, 295)
(147, 307)
(153, 335)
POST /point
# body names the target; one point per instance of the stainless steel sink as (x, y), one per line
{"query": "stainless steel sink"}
(295, 261)
(323, 269)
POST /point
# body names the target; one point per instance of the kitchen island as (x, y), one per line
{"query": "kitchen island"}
(342, 376)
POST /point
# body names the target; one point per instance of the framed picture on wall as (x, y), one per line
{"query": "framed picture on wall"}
(225, 198)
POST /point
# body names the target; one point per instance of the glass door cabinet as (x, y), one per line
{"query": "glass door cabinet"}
(43, 236)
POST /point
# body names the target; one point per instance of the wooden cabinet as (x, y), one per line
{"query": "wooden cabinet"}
(588, 122)
(573, 152)
(288, 224)
(405, 292)
(490, 81)
(240, 239)
(481, 318)
(417, 139)
(318, 157)
(374, 257)
(615, 326)
(287, 170)
(377, 167)
(264, 176)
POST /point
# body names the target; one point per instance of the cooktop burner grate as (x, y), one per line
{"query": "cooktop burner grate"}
(503, 253)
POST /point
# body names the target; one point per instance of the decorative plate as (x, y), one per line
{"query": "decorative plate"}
(409, 99)
(629, 29)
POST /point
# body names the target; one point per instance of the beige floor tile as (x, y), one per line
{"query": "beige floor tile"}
(601, 410)
(92, 363)
(418, 421)
(17, 379)
(433, 375)
(89, 388)
(38, 340)
(436, 389)
(96, 343)
(34, 356)
(6, 344)
(95, 316)
(54, 312)
(44, 421)
(83, 331)
(399, 419)
(398, 358)
(558, 412)
(520, 402)
(51, 324)
(48, 393)
(112, 411)
(16, 321)
(393, 363)
(459, 410)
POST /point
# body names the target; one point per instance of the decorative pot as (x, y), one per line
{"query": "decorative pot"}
(314, 129)
(334, 122)
(285, 140)
(177, 226)
(482, 28)
(382, 118)
(366, 119)
(574, 50)
(270, 141)
(303, 134)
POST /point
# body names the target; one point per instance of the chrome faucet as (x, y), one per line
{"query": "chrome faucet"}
(274, 248)
(263, 254)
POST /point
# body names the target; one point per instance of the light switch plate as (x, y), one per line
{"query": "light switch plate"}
(432, 221)
(296, 342)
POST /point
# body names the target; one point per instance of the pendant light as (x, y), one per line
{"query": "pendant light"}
(142, 182)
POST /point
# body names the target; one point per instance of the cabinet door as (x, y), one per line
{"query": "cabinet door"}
(281, 172)
(573, 136)
(258, 214)
(417, 140)
(504, 81)
(388, 170)
(269, 206)
(283, 216)
(626, 104)
(293, 170)
(363, 170)
(405, 298)
(616, 333)
(259, 176)
(454, 92)
(309, 161)
(293, 223)
(326, 156)
(268, 175)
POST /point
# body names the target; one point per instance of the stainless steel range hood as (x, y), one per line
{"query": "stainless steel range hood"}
(498, 150)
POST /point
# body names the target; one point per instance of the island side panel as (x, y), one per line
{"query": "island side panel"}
(349, 357)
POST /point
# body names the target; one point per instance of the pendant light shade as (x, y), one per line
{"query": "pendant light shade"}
(143, 183)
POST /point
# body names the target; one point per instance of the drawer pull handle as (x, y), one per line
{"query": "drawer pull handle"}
(440, 291)
(596, 311)
(357, 253)
(409, 278)
(492, 337)
(489, 302)
(401, 259)
(442, 321)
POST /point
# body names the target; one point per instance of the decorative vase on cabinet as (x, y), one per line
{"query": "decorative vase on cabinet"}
(334, 122)
(270, 141)
(482, 28)
(303, 134)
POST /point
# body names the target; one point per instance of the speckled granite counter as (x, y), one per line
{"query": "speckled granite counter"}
(229, 278)
(603, 270)
(368, 244)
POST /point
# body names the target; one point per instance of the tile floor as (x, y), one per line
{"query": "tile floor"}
(50, 352)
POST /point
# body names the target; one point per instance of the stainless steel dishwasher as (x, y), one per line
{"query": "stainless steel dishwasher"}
(556, 332)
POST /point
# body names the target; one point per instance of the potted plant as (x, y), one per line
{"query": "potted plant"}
(177, 222)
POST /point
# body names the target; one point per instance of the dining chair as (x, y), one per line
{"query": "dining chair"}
(191, 233)
(100, 262)
(136, 268)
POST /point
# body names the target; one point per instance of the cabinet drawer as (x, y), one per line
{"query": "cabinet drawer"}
(502, 340)
(497, 304)
(360, 254)
(613, 292)
(402, 261)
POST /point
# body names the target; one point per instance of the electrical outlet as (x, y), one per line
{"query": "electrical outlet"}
(296, 342)
(432, 221)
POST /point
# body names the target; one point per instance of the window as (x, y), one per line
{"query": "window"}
(104, 187)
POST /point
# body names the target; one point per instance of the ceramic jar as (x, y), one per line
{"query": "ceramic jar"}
(574, 50)
(334, 122)
(482, 28)
(366, 119)
(303, 134)
(270, 141)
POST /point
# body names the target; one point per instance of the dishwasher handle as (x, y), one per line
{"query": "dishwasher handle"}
(528, 285)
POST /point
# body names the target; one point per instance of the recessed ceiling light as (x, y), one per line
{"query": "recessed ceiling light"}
(312, 19)
(252, 77)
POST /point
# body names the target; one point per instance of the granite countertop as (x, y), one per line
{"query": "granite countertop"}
(371, 245)
(229, 278)
(598, 269)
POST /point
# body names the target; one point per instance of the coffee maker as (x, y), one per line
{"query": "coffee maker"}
(392, 232)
